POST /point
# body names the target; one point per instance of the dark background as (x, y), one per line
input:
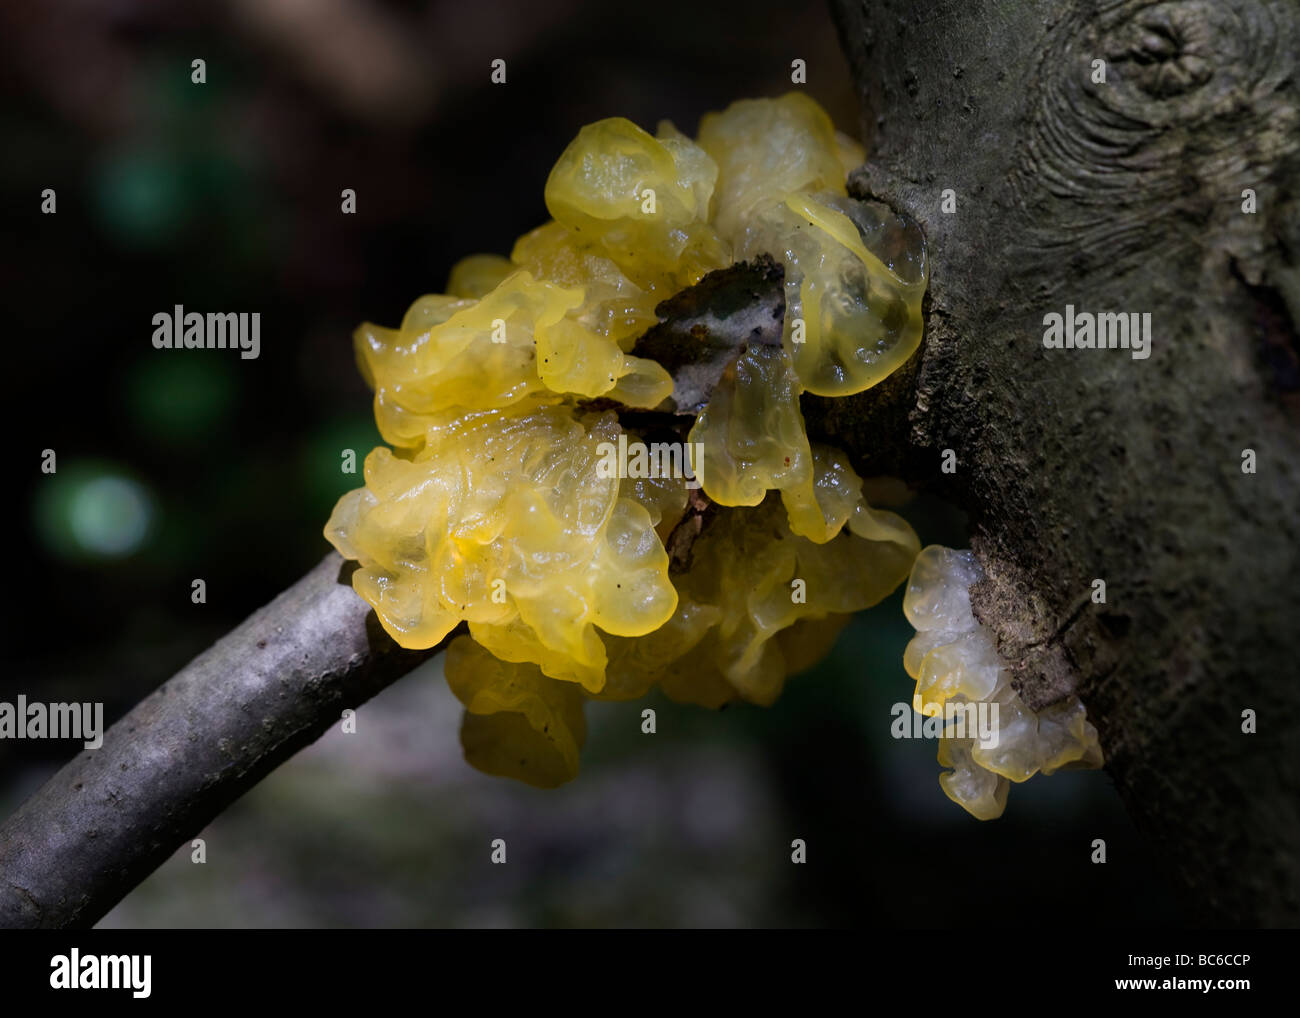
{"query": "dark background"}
(175, 465)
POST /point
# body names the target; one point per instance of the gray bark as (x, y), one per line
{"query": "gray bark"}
(114, 814)
(1084, 464)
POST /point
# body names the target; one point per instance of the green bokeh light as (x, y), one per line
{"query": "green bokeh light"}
(175, 400)
(140, 195)
(93, 512)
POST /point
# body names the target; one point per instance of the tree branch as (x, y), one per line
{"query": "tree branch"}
(181, 756)
(278, 682)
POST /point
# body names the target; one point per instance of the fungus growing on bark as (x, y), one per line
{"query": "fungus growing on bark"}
(955, 661)
(495, 505)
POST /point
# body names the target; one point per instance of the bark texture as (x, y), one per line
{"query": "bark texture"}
(182, 755)
(1123, 195)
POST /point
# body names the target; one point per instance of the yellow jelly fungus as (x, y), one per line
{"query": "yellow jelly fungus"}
(642, 200)
(505, 519)
(518, 346)
(955, 661)
(746, 604)
(861, 313)
(766, 149)
(478, 275)
(763, 580)
(518, 723)
(613, 306)
(855, 272)
(495, 506)
(850, 154)
(753, 440)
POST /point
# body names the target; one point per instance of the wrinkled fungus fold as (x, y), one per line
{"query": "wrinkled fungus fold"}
(490, 505)
(954, 660)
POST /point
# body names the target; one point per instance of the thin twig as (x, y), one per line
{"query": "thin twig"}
(181, 756)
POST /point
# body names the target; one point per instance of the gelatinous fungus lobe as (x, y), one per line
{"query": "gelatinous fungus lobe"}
(495, 506)
(956, 665)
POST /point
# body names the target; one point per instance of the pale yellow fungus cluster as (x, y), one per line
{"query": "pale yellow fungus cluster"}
(954, 661)
(492, 507)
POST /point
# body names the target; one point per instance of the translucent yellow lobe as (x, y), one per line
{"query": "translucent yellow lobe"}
(495, 506)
